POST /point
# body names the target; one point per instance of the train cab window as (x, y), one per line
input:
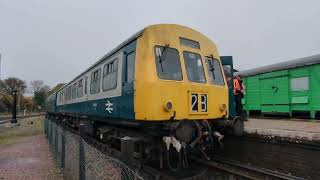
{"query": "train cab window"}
(194, 67)
(214, 71)
(80, 88)
(168, 63)
(74, 91)
(95, 82)
(130, 67)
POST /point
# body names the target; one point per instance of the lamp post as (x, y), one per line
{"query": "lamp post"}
(14, 110)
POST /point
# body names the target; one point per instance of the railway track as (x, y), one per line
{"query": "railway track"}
(8, 119)
(244, 170)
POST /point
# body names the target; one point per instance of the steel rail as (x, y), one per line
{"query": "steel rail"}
(241, 169)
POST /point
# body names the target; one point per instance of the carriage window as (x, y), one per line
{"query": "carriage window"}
(65, 94)
(74, 91)
(300, 84)
(214, 71)
(85, 85)
(95, 82)
(228, 74)
(168, 63)
(80, 88)
(130, 67)
(69, 93)
(194, 67)
(62, 96)
(110, 71)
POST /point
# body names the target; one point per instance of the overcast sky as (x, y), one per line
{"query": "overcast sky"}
(56, 40)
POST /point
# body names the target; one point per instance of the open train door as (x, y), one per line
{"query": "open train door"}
(236, 121)
(227, 64)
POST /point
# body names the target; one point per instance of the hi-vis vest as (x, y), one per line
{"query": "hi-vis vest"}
(236, 86)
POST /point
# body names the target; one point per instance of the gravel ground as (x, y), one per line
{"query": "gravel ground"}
(30, 158)
(302, 130)
(24, 152)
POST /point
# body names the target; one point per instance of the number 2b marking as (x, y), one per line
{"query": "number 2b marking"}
(203, 102)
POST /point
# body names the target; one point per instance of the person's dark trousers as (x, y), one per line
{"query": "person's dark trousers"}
(239, 109)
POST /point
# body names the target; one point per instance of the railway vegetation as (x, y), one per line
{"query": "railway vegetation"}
(27, 127)
(30, 98)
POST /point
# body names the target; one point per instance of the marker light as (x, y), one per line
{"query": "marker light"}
(168, 106)
(223, 107)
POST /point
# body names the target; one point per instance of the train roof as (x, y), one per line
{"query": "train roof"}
(305, 61)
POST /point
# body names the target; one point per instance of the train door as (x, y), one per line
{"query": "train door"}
(275, 92)
(227, 64)
(267, 91)
(127, 85)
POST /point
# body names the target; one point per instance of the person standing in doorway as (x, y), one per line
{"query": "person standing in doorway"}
(238, 90)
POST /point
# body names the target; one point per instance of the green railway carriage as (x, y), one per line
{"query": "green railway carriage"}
(286, 87)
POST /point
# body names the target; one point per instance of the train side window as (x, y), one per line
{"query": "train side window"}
(95, 82)
(194, 67)
(74, 91)
(300, 84)
(130, 67)
(80, 88)
(62, 96)
(69, 93)
(110, 71)
(168, 63)
(214, 71)
(85, 85)
(65, 95)
(227, 69)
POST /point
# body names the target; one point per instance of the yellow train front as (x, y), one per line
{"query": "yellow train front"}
(179, 81)
(178, 76)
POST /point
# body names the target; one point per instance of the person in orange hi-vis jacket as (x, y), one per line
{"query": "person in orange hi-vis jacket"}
(238, 90)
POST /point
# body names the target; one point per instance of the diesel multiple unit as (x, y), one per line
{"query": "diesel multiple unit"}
(166, 81)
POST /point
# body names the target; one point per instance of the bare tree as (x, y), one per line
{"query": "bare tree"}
(36, 85)
(10, 84)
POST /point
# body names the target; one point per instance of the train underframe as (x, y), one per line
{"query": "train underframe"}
(167, 141)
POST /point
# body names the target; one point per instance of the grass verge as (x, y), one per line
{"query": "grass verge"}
(27, 127)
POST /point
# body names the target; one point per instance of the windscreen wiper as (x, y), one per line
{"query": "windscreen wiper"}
(211, 66)
(162, 56)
